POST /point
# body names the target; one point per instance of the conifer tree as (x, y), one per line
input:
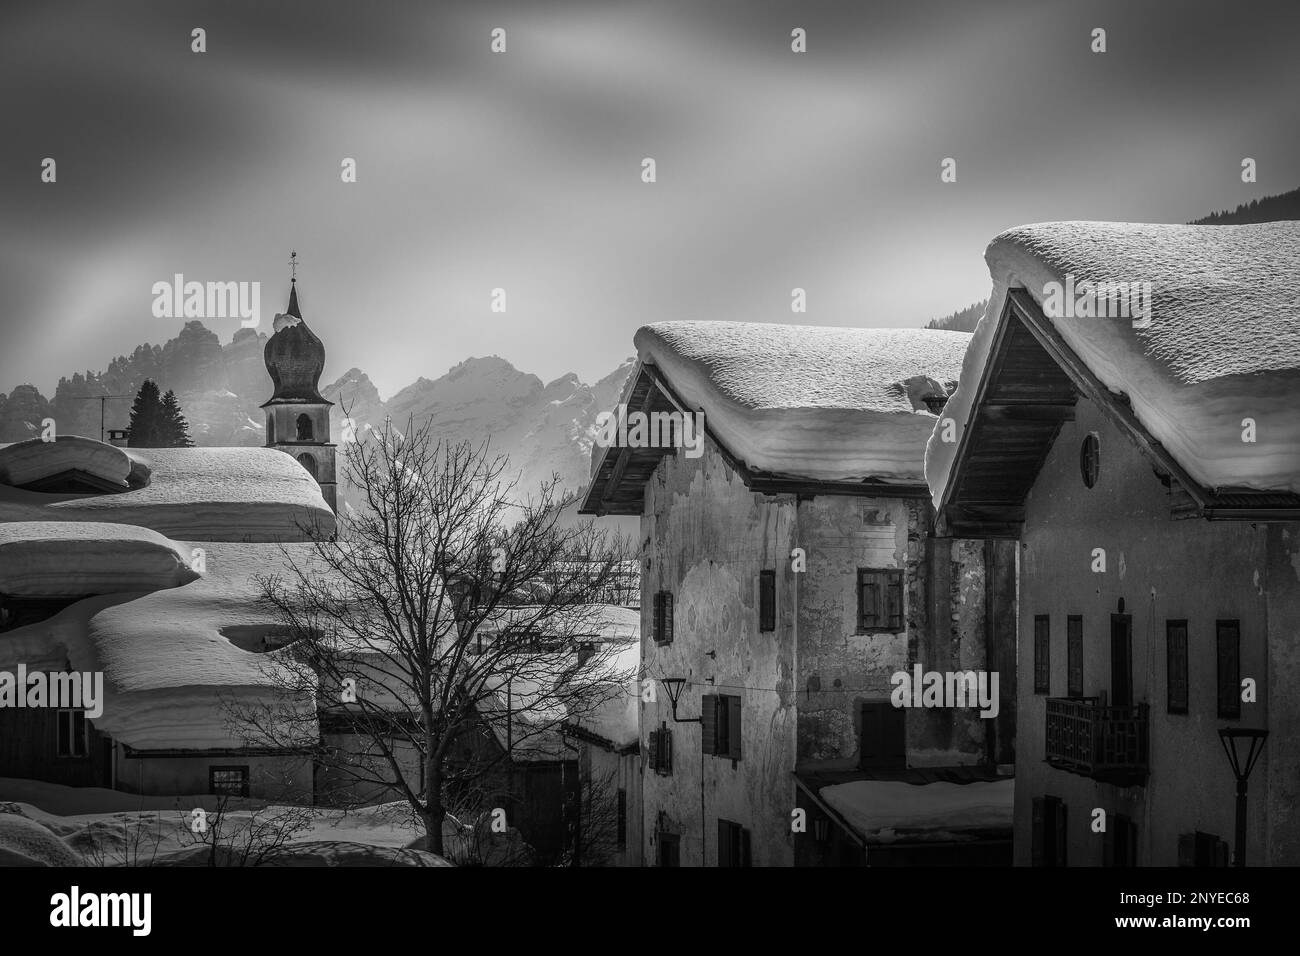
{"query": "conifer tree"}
(175, 429)
(146, 417)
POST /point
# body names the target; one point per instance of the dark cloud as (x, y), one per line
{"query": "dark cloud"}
(522, 171)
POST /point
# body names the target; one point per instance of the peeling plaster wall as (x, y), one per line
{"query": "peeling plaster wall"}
(1164, 570)
(705, 537)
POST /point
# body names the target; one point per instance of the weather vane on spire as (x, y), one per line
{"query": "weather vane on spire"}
(293, 266)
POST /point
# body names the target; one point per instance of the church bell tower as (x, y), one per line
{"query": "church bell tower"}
(297, 415)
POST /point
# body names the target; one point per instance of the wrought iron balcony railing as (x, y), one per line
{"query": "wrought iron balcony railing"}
(1107, 743)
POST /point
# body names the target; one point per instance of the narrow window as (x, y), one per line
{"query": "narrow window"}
(622, 818)
(1176, 664)
(1090, 460)
(1074, 654)
(72, 733)
(733, 844)
(1042, 654)
(304, 428)
(1229, 647)
(663, 617)
(767, 600)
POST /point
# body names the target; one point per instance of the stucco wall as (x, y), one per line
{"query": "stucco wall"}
(1163, 570)
(705, 538)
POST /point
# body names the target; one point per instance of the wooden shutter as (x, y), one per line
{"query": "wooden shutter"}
(724, 843)
(1074, 655)
(658, 626)
(767, 600)
(1229, 654)
(708, 723)
(668, 617)
(666, 749)
(733, 727)
(868, 600)
(622, 818)
(652, 751)
(1039, 833)
(893, 600)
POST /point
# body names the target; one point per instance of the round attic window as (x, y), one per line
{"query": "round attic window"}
(1090, 460)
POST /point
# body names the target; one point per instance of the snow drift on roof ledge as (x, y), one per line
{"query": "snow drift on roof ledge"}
(1223, 343)
(830, 404)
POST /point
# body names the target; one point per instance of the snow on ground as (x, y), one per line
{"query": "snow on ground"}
(1223, 343)
(55, 825)
(44, 558)
(202, 494)
(883, 807)
(810, 401)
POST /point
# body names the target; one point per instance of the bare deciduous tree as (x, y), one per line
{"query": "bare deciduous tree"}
(441, 607)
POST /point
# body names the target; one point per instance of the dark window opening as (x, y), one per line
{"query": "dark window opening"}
(670, 853)
(1120, 848)
(1042, 654)
(228, 781)
(308, 462)
(882, 740)
(1090, 460)
(1074, 655)
(622, 818)
(1176, 665)
(1229, 654)
(1121, 660)
(72, 733)
(1050, 832)
(733, 844)
(767, 600)
(305, 429)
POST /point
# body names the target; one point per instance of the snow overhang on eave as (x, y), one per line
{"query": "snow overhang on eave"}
(1028, 389)
(619, 479)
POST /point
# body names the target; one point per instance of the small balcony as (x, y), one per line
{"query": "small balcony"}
(1107, 743)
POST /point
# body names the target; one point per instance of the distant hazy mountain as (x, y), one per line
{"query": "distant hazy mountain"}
(543, 428)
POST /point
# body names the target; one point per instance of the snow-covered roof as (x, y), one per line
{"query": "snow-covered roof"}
(1222, 343)
(884, 811)
(168, 656)
(74, 559)
(834, 404)
(202, 494)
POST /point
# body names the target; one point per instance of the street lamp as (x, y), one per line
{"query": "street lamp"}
(674, 687)
(1233, 738)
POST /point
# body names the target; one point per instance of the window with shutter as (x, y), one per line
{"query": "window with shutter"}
(622, 819)
(882, 742)
(663, 617)
(1074, 655)
(1042, 654)
(1120, 843)
(661, 750)
(767, 600)
(669, 849)
(1229, 653)
(880, 599)
(1176, 665)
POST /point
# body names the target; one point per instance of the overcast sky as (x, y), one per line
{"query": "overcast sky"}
(522, 170)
